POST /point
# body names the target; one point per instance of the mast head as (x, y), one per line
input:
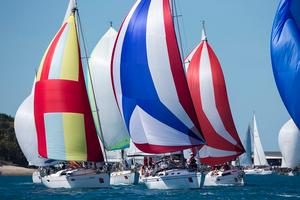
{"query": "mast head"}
(72, 8)
(204, 37)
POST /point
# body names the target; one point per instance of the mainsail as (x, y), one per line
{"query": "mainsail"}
(258, 151)
(285, 53)
(113, 130)
(208, 90)
(63, 118)
(149, 81)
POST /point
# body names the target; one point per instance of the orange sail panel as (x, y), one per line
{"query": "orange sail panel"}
(208, 90)
(63, 118)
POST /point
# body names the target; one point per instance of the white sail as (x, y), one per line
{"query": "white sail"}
(72, 5)
(283, 163)
(289, 144)
(26, 132)
(114, 133)
(259, 154)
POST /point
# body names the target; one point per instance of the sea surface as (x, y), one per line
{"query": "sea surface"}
(257, 187)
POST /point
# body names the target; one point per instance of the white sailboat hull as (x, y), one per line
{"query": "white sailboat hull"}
(226, 178)
(36, 177)
(258, 171)
(175, 179)
(124, 178)
(77, 179)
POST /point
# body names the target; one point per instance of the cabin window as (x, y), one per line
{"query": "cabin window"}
(190, 179)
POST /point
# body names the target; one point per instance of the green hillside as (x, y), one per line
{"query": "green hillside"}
(9, 147)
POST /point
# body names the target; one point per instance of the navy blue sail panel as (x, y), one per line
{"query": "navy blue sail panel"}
(145, 88)
(285, 53)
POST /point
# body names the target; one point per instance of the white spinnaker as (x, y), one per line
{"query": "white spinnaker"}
(258, 151)
(113, 128)
(26, 132)
(289, 144)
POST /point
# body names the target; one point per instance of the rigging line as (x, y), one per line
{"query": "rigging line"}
(176, 16)
(185, 40)
(92, 85)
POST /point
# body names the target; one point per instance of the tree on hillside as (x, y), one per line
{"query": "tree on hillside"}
(9, 147)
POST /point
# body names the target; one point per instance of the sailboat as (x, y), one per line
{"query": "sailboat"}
(208, 90)
(285, 48)
(63, 118)
(260, 164)
(152, 93)
(110, 126)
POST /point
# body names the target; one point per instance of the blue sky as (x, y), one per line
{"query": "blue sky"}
(238, 30)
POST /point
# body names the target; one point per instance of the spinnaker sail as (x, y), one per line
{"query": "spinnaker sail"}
(208, 90)
(113, 130)
(285, 53)
(149, 81)
(63, 118)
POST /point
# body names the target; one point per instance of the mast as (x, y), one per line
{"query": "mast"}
(76, 12)
(204, 36)
(176, 25)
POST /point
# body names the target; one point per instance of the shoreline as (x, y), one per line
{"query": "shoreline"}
(9, 170)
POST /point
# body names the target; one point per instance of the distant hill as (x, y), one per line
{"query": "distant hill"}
(10, 151)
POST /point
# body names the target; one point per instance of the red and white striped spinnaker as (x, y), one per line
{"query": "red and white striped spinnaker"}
(208, 90)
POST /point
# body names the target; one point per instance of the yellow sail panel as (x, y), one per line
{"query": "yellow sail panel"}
(74, 136)
(70, 60)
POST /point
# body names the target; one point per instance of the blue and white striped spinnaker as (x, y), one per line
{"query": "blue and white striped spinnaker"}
(149, 81)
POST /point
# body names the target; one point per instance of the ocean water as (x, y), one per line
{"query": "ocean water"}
(257, 187)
